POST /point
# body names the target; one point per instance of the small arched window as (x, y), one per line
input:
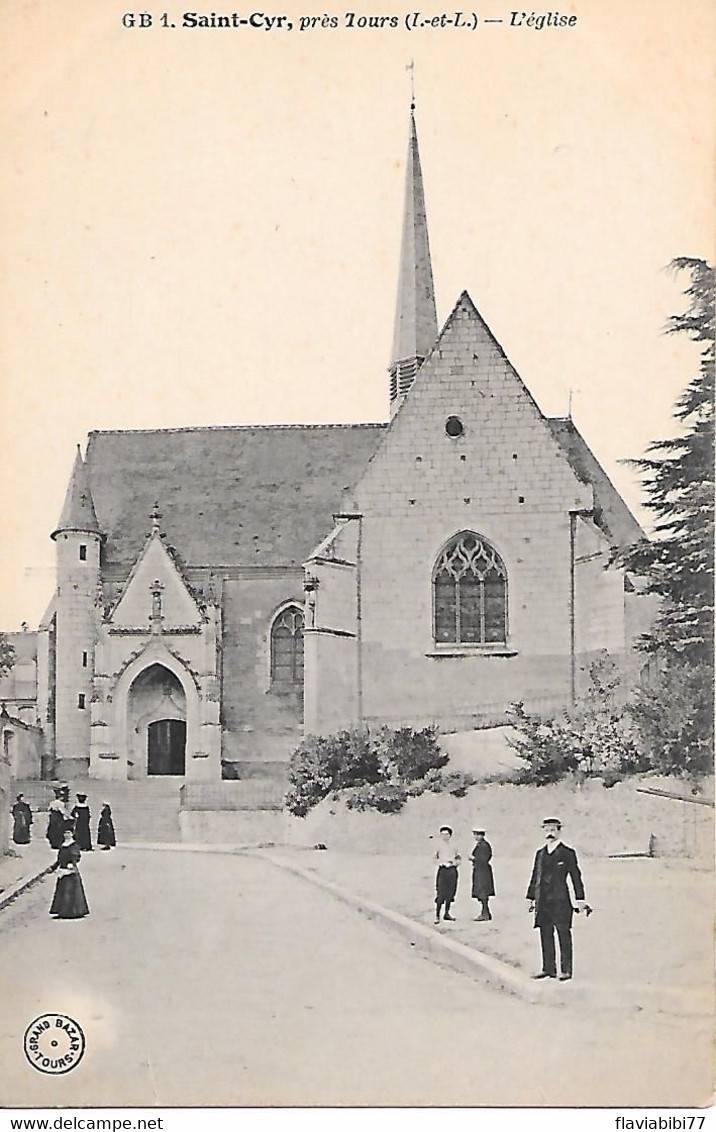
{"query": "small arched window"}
(469, 593)
(287, 647)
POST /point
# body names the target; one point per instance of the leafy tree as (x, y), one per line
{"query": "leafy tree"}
(678, 478)
(7, 655)
(674, 720)
(594, 739)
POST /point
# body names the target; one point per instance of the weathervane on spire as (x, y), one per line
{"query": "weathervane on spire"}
(411, 67)
(156, 517)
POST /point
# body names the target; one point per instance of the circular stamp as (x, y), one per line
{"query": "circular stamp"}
(54, 1043)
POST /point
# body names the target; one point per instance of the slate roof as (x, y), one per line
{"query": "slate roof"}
(245, 495)
(261, 495)
(612, 512)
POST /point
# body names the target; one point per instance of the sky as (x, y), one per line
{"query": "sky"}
(202, 226)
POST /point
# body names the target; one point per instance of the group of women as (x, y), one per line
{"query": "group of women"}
(78, 818)
(69, 833)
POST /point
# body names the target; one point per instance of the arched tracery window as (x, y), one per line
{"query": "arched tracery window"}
(287, 647)
(469, 593)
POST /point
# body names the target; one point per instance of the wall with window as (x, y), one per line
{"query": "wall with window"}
(468, 457)
(469, 593)
(286, 648)
(262, 688)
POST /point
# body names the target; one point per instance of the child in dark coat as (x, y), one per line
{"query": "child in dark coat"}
(105, 830)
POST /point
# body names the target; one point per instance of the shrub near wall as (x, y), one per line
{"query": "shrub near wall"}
(370, 770)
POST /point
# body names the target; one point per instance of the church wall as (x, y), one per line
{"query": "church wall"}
(609, 617)
(258, 722)
(331, 638)
(505, 478)
(331, 701)
(600, 623)
(407, 677)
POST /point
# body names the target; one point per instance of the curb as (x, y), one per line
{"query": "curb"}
(450, 953)
(220, 847)
(21, 885)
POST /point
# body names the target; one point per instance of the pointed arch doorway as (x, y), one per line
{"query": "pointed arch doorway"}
(156, 706)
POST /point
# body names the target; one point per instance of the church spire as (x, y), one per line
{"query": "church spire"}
(78, 513)
(416, 323)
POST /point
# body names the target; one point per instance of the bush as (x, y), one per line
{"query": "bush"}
(320, 766)
(597, 738)
(385, 797)
(543, 745)
(407, 755)
(380, 770)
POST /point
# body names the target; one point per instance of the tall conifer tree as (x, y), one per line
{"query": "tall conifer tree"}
(678, 477)
(674, 714)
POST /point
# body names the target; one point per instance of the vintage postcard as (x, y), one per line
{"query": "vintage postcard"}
(355, 741)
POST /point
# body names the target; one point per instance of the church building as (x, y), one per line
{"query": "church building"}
(223, 591)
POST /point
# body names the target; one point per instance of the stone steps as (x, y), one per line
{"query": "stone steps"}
(253, 793)
(146, 810)
(149, 810)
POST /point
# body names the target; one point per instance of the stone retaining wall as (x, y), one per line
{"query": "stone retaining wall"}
(598, 821)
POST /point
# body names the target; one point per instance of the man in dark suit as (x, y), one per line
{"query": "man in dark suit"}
(550, 899)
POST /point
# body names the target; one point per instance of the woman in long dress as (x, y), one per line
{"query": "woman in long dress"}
(69, 901)
(22, 820)
(81, 815)
(57, 820)
(105, 829)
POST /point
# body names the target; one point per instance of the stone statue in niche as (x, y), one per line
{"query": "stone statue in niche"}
(157, 615)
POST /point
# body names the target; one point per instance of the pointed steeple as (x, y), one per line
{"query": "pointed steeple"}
(78, 513)
(416, 323)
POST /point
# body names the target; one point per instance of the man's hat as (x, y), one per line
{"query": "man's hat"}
(552, 821)
(445, 829)
(479, 831)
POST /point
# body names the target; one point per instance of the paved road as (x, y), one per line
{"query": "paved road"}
(206, 979)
